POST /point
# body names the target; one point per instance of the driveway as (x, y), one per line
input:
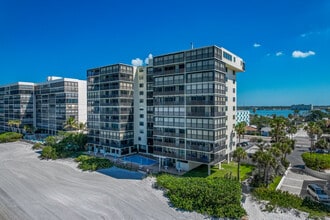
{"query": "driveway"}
(296, 181)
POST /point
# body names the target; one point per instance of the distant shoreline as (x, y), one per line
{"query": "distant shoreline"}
(279, 107)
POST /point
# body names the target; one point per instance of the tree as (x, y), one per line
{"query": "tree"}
(82, 126)
(322, 144)
(240, 130)
(284, 149)
(313, 131)
(71, 124)
(14, 123)
(239, 154)
(291, 129)
(278, 125)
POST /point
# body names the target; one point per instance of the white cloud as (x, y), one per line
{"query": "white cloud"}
(280, 53)
(137, 62)
(300, 54)
(146, 60)
(256, 45)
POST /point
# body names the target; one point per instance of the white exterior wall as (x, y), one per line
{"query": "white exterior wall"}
(82, 101)
(231, 110)
(140, 108)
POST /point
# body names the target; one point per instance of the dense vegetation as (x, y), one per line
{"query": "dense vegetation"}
(286, 200)
(316, 161)
(48, 153)
(217, 197)
(66, 144)
(92, 163)
(10, 137)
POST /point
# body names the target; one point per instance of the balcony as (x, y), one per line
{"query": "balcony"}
(172, 155)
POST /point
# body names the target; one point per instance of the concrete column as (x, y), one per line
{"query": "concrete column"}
(220, 166)
(208, 170)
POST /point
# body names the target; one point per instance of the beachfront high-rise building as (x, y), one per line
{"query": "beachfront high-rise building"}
(43, 106)
(111, 109)
(194, 106)
(58, 99)
(184, 107)
(16, 103)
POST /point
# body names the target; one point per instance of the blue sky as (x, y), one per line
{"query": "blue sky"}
(285, 44)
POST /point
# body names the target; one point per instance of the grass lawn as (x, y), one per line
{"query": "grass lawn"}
(227, 169)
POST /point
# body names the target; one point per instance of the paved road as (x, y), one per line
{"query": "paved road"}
(296, 180)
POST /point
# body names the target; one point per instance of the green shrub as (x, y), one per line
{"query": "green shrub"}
(275, 182)
(10, 137)
(37, 146)
(217, 197)
(82, 158)
(92, 163)
(48, 153)
(316, 161)
(286, 200)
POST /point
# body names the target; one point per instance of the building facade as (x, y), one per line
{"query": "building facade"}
(194, 106)
(58, 99)
(43, 106)
(184, 107)
(243, 116)
(110, 109)
(17, 103)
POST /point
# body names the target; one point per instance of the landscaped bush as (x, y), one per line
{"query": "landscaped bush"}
(10, 137)
(93, 163)
(316, 161)
(37, 146)
(286, 200)
(82, 158)
(48, 152)
(216, 197)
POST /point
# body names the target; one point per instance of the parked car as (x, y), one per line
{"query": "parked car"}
(321, 151)
(318, 193)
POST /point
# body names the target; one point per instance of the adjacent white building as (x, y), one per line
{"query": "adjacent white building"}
(44, 106)
(243, 116)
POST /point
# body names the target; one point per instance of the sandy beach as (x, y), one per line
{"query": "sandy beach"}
(31, 188)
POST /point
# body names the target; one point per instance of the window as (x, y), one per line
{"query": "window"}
(141, 93)
(234, 99)
(141, 115)
(141, 85)
(141, 100)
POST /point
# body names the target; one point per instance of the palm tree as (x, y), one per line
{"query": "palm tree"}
(313, 131)
(71, 124)
(285, 147)
(240, 130)
(14, 122)
(278, 128)
(82, 126)
(239, 154)
(291, 129)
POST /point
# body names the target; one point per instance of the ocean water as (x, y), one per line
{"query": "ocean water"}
(283, 113)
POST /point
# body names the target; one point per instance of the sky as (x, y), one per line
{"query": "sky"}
(284, 43)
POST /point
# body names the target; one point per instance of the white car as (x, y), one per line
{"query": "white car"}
(318, 193)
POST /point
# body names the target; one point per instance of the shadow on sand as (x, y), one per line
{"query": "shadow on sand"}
(119, 173)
